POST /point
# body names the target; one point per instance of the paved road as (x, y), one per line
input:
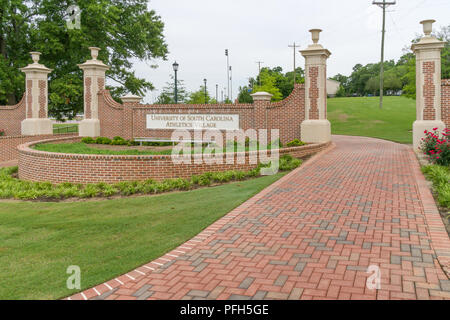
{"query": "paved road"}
(312, 235)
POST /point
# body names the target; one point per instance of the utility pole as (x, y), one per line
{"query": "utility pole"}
(384, 4)
(228, 71)
(259, 71)
(295, 46)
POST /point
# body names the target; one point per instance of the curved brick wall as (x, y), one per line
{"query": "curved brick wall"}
(77, 168)
(11, 118)
(9, 144)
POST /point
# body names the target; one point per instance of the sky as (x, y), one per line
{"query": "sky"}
(198, 32)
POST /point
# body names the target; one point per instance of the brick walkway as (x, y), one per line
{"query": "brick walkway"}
(312, 235)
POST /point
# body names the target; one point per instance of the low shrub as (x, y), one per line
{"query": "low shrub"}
(2, 133)
(118, 141)
(13, 188)
(88, 140)
(295, 143)
(436, 146)
(103, 140)
(440, 177)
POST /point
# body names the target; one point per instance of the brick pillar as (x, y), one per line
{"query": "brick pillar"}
(36, 98)
(94, 81)
(261, 100)
(129, 101)
(428, 84)
(316, 128)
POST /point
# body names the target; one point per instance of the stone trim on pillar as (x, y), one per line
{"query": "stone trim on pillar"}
(316, 128)
(261, 100)
(428, 84)
(94, 81)
(36, 100)
(129, 101)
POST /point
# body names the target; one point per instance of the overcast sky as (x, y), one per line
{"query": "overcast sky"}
(198, 31)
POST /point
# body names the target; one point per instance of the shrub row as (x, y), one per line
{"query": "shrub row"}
(440, 176)
(123, 142)
(13, 188)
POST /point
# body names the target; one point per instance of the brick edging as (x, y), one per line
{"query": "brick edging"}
(440, 240)
(189, 245)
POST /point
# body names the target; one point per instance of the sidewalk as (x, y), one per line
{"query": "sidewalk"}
(312, 235)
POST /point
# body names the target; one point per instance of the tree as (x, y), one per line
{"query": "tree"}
(244, 95)
(284, 82)
(167, 95)
(268, 84)
(198, 97)
(124, 30)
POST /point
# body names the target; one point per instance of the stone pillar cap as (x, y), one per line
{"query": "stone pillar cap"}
(130, 98)
(262, 96)
(428, 41)
(315, 48)
(36, 66)
(94, 63)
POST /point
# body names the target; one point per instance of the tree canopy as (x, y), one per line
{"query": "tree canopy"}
(124, 30)
(167, 95)
(398, 76)
(273, 81)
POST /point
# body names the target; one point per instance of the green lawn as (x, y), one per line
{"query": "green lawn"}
(65, 128)
(362, 117)
(82, 148)
(38, 241)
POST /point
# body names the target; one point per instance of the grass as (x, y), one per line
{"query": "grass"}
(38, 241)
(83, 148)
(362, 117)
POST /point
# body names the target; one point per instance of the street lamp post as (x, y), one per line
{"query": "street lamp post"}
(204, 80)
(175, 68)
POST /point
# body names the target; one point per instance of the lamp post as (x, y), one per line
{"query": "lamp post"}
(204, 80)
(175, 68)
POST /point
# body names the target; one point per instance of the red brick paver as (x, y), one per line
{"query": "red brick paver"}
(312, 235)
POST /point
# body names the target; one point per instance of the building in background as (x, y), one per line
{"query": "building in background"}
(332, 87)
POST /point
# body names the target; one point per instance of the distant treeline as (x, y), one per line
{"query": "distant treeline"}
(399, 77)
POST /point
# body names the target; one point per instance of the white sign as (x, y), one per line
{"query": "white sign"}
(193, 121)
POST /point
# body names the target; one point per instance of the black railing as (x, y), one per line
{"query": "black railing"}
(66, 129)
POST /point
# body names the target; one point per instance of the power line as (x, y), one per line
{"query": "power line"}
(383, 5)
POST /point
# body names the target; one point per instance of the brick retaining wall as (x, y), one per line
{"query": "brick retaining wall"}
(11, 118)
(9, 144)
(37, 165)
